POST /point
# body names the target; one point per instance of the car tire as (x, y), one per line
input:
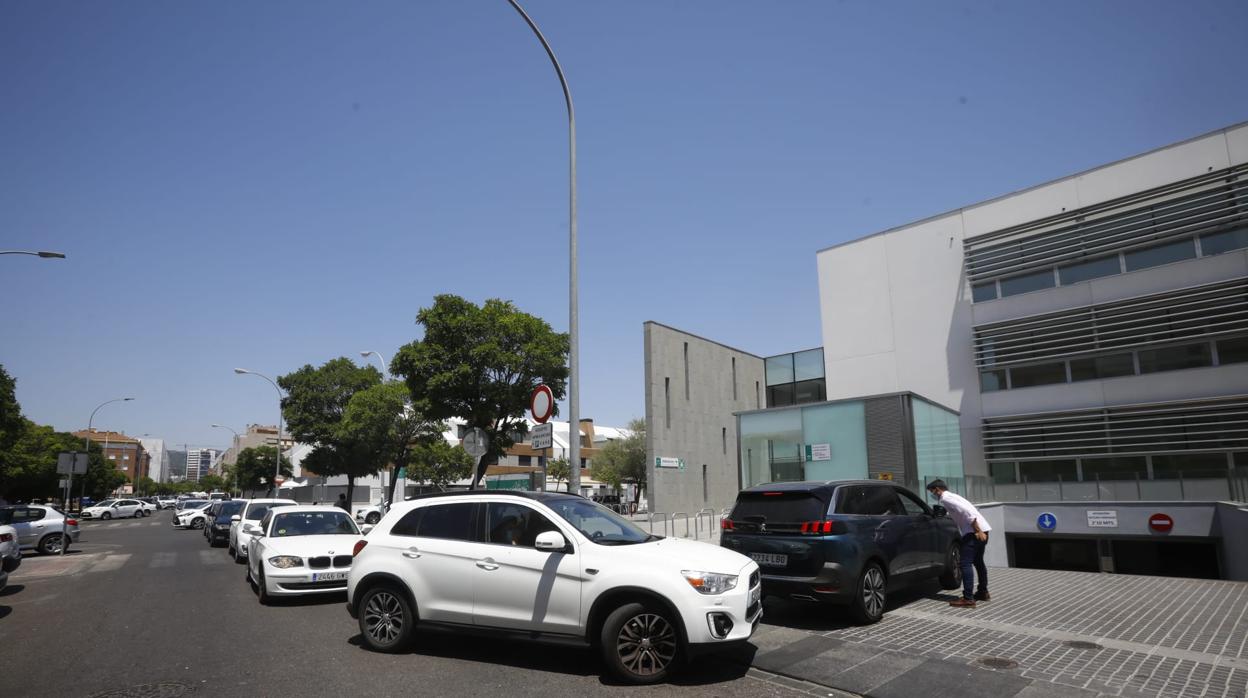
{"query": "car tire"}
(106, 516)
(870, 595)
(372, 518)
(50, 544)
(951, 578)
(640, 643)
(387, 621)
(262, 589)
(197, 524)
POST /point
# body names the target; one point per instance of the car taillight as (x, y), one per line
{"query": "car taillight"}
(358, 547)
(822, 527)
(725, 524)
(71, 522)
(6, 537)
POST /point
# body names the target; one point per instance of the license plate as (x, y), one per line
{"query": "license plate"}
(770, 559)
(328, 576)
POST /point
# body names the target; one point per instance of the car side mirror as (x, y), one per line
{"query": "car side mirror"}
(550, 541)
(938, 511)
(366, 528)
(235, 518)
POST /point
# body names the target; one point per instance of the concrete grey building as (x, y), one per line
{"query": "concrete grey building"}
(158, 469)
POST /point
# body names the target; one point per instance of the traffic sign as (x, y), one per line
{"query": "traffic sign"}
(1046, 521)
(541, 404)
(476, 442)
(279, 479)
(71, 462)
(542, 436)
(1161, 523)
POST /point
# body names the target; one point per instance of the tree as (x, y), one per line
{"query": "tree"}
(256, 463)
(384, 426)
(438, 463)
(146, 485)
(212, 483)
(557, 470)
(314, 407)
(12, 424)
(481, 363)
(623, 460)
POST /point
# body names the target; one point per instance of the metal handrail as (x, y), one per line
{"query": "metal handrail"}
(650, 522)
(681, 513)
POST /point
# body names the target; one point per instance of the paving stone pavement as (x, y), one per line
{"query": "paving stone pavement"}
(1062, 634)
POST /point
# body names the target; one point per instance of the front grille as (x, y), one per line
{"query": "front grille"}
(342, 561)
(319, 562)
(754, 579)
(753, 609)
(303, 586)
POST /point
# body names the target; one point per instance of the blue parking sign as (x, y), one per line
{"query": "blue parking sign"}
(1046, 521)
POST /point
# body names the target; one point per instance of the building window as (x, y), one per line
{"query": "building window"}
(686, 370)
(1086, 271)
(1042, 374)
(583, 464)
(1160, 254)
(1217, 243)
(780, 395)
(757, 395)
(524, 460)
(1175, 358)
(990, 381)
(1048, 471)
(779, 369)
(705, 489)
(1027, 283)
(113, 456)
(1189, 465)
(1233, 350)
(734, 378)
(984, 292)
(723, 439)
(1102, 367)
(1119, 468)
(1003, 473)
(667, 401)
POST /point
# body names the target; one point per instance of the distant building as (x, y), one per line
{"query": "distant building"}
(177, 465)
(255, 436)
(200, 462)
(159, 459)
(125, 452)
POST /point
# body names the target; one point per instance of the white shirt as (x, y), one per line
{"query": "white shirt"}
(963, 513)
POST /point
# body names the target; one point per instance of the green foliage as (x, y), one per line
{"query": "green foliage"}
(557, 470)
(254, 464)
(481, 363)
(215, 483)
(12, 424)
(28, 468)
(146, 486)
(623, 460)
(383, 426)
(438, 463)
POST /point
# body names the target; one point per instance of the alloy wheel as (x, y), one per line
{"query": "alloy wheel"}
(383, 616)
(646, 644)
(873, 592)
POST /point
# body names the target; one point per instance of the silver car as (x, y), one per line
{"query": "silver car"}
(39, 527)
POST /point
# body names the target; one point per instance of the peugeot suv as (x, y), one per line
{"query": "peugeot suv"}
(550, 566)
(845, 542)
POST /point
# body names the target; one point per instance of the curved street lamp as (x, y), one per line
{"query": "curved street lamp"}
(385, 367)
(43, 254)
(277, 470)
(574, 379)
(86, 444)
(236, 439)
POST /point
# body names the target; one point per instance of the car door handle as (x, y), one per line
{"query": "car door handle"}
(487, 564)
(413, 553)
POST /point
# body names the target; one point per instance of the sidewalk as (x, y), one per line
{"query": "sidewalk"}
(1045, 633)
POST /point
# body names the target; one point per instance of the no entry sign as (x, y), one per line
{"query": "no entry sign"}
(1161, 523)
(541, 404)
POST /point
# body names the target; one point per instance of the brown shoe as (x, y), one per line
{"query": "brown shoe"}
(963, 603)
(983, 596)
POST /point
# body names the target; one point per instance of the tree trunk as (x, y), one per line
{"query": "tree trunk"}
(394, 473)
(350, 492)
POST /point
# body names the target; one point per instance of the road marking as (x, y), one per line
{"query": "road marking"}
(212, 557)
(111, 525)
(163, 560)
(110, 563)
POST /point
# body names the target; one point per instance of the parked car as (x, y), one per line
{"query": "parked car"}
(166, 502)
(370, 513)
(217, 532)
(192, 517)
(847, 542)
(246, 523)
(114, 509)
(10, 554)
(218, 495)
(39, 527)
(550, 566)
(187, 504)
(302, 550)
(148, 505)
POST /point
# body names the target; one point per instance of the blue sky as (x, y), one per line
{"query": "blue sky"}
(268, 185)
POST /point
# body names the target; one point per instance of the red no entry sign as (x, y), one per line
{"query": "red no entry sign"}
(541, 404)
(1161, 523)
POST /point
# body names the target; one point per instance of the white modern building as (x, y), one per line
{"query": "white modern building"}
(201, 462)
(158, 470)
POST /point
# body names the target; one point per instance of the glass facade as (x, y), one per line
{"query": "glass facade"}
(937, 441)
(795, 379)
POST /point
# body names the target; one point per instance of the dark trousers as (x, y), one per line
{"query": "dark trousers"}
(973, 559)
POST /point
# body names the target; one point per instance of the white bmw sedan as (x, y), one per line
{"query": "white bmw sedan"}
(302, 550)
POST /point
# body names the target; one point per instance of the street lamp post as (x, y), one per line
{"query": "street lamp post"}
(234, 445)
(385, 367)
(86, 444)
(574, 381)
(43, 254)
(277, 469)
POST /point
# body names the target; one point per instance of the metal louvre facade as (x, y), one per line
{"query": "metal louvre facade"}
(1204, 204)
(1198, 425)
(1190, 314)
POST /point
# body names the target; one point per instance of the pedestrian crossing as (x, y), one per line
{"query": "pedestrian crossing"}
(106, 562)
(95, 525)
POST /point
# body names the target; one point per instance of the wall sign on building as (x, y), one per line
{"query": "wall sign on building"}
(1161, 523)
(660, 462)
(542, 435)
(817, 452)
(1103, 518)
(1047, 521)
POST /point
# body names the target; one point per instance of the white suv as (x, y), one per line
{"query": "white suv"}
(553, 566)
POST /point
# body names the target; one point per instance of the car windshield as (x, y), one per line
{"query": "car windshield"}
(314, 523)
(193, 504)
(106, 503)
(598, 523)
(230, 508)
(257, 511)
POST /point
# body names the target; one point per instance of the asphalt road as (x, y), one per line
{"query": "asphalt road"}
(138, 608)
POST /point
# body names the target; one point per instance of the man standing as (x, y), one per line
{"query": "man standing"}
(974, 531)
(342, 503)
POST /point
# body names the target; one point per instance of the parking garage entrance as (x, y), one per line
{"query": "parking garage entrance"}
(1166, 558)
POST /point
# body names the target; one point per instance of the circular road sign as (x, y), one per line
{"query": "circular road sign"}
(1161, 523)
(1046, 521)
(476, 442)
(541, 404)
(279, 479)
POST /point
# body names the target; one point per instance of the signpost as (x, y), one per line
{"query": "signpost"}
(69, 463)
(1107, 518)
(541, 404)
(542, 436)
(1161, 523)
(660, 462)
(476, 443)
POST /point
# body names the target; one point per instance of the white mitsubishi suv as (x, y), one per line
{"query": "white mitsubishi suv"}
(550, 566)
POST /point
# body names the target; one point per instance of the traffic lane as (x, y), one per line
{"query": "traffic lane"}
(175, 612)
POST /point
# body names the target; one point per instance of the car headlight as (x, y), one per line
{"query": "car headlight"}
(710, 582)
(286, 561)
